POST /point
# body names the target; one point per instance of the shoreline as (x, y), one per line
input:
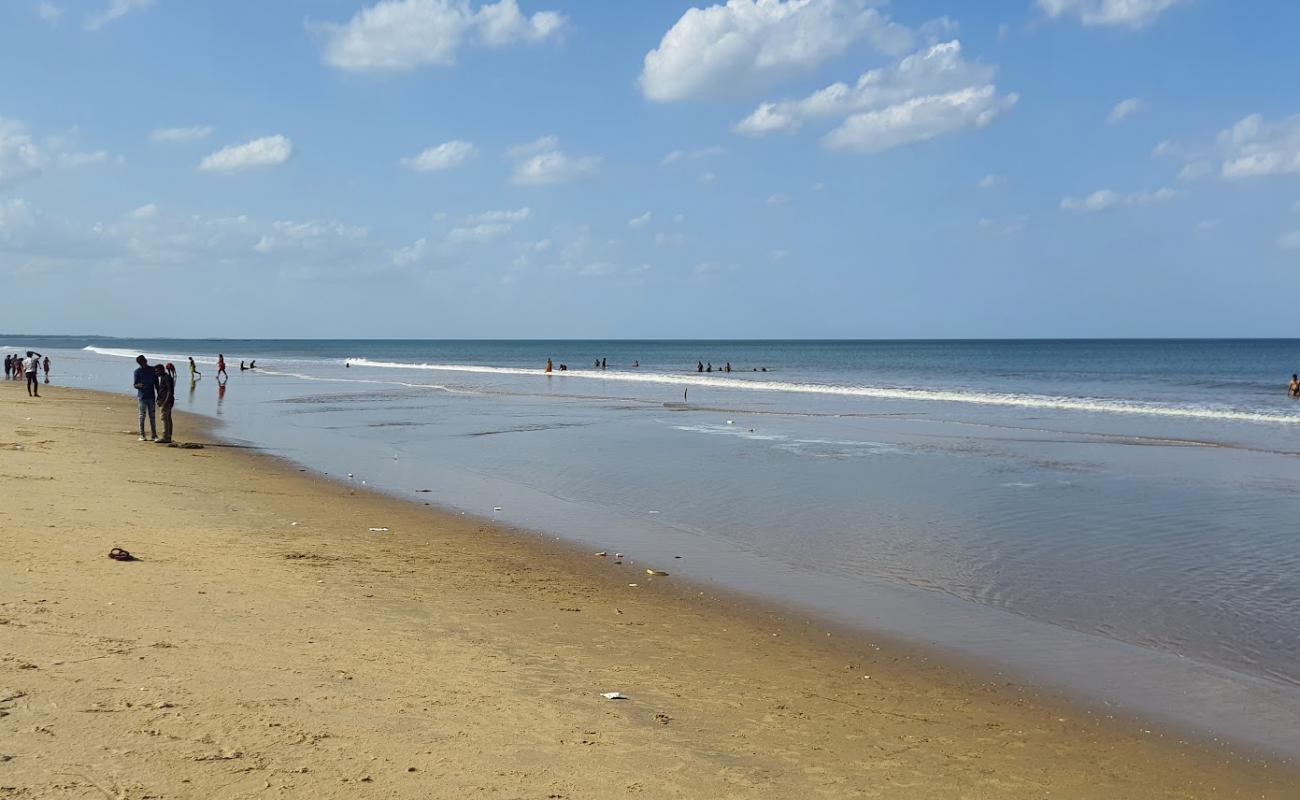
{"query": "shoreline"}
(754, 701)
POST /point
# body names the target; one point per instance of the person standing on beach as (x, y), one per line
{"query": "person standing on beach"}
(47, 369)
(146, 383)
(166, 399)
(221, 367)
(31, 366)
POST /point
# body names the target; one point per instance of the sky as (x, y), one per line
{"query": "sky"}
(650, 168)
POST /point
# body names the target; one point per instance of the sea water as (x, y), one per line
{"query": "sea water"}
(1115, 518)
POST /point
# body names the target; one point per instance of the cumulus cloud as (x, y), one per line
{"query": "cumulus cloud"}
(693, 155)
(1125, 109)
(401, 35)
(926, 94)
(115, 10)
(1254, 148)
(748, 45)
(1121, 13)
(482, 232)
(1289, 240)
(542, 162)
(992, 181)
(268, 151)
(20, 156)
(1104, 199)
(447, 155)
(23, 157)
(48, 11)
(641, 221)
(288, 235)
(410, 254)
(778, 200)
(191, 134)
(511, 217)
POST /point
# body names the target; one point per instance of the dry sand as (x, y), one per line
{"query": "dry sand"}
(267, 644)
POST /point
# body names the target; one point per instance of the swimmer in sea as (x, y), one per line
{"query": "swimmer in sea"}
(1294, 388)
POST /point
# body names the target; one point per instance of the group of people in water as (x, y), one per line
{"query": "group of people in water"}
(603, 363)
(19, 367)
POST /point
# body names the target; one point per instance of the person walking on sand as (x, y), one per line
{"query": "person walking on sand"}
(146, 384)
(221, 367)
(194, 371)
(166, 390)
(46, 365)
(1294, 388)
(31, 366)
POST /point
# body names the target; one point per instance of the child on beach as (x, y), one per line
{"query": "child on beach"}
(47, 369)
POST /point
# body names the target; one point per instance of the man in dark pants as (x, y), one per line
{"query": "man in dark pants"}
(31, 366)
(166, 399)
(146, 383)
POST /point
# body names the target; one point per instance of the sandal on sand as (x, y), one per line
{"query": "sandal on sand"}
(118, 554)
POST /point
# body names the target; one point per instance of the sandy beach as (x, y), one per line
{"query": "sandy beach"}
(268, 643)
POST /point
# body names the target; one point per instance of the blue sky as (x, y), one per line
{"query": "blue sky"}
(649, 168)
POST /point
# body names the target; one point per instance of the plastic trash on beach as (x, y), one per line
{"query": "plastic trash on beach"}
(657, 572)
(379, 530)
(496, 508)
(613, 695)
(602, 554)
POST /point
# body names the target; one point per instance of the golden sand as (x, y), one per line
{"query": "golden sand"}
(268, 644)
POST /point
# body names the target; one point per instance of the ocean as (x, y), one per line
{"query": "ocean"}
(1112, 519)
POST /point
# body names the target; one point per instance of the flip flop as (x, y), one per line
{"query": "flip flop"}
(118, 554)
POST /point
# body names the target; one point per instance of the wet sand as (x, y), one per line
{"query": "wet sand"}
(267, 643)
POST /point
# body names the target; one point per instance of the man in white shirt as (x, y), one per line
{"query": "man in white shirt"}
(31, 366)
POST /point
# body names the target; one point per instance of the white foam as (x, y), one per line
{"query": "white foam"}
(1045, 402)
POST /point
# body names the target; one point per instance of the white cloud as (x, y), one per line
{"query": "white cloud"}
(641, 221)
(16, 218)
(268, 151)
(1195, 170)
(502, 23)
(707, 177)
(411, 254)
(1099, 200)
(919, 119)
(74, 160)
(542, 162)
(1289, 240)
(924, 95)
(1124, 13)
(114, 10)
(778, 200)
(191, 134)
(991, 181)
(694, 155)
(748, 45)
(447, 155)
(1253, 148)
(483, 232)
(1207, 225)
(147, 211)
(401, 35)
(48, 11)
(541, 145)
(287, 235)
(1104, 199)
(1125, 109)
(20, 156)
(511, 217)
(1166, 148)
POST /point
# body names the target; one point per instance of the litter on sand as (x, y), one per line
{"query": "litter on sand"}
(602, 554)
(658, 572)
(614, 696)
(379, 530)
(496, 508)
